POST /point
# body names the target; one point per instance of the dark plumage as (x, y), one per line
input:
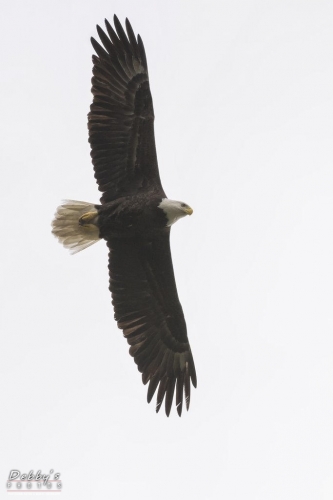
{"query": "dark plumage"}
(134, 217)
(121, 118)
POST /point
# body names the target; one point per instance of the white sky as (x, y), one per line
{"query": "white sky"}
(243, 102)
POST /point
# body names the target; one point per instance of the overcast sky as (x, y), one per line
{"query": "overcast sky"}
(243, 103)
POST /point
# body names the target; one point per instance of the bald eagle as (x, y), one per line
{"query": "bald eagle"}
(134, 217)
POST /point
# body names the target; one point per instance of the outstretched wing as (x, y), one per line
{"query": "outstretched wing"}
(147, 309)
(121, 118)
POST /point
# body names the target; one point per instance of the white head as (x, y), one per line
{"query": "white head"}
(174, 210)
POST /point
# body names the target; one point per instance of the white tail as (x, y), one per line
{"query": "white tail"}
(74, 234)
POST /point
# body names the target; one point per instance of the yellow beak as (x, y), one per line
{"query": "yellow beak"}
(189, 211)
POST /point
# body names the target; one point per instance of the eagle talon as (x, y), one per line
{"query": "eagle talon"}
(87, 218)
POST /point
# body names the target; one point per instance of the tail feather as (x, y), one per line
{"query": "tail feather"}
(66, 227)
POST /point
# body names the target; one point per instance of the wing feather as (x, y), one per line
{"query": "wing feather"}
(121, 118)
(148, 310)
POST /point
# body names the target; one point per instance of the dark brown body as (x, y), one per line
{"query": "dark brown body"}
(131, 216)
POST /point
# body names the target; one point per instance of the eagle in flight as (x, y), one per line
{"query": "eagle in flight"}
(134, 217)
